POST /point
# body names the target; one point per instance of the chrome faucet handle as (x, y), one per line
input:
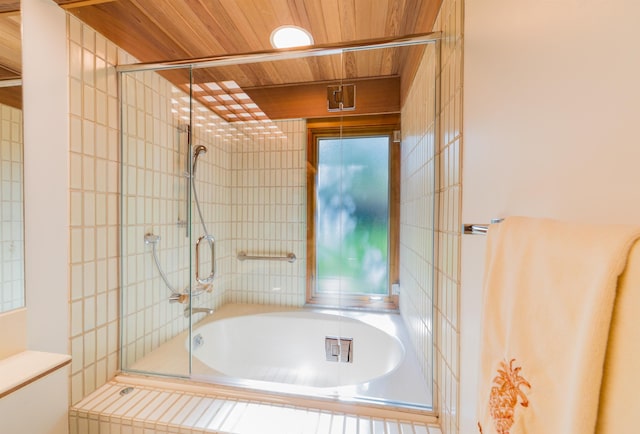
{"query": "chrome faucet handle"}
(178, 298)
(201, 288)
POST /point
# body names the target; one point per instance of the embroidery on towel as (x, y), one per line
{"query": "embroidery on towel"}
(504, 396)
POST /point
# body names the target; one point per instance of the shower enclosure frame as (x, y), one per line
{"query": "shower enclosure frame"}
(246, 58)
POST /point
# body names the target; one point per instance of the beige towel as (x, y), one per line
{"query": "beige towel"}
(548, 297)
(619, 404)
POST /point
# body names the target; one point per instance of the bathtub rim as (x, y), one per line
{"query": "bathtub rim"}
(373, 410)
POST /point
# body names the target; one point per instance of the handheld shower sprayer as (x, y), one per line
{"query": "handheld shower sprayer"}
(200, 149)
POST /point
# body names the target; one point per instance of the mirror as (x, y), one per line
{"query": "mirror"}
(11, 152)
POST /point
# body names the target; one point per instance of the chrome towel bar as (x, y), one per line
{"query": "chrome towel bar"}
(290, 257)
(475, 229)
(478, 229)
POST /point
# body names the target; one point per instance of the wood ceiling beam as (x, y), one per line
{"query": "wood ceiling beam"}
(74, 4)
(309, 100)
(11, 96)
(392, 120)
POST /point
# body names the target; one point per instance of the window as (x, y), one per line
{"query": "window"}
(352, 207)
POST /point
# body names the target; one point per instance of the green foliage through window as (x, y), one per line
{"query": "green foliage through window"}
(352, 221)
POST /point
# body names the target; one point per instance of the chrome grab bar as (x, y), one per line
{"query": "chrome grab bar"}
(212, 242)
(290, 257)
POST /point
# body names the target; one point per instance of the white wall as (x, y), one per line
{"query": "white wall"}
(46, 145)
(38, 408)
(550, 123)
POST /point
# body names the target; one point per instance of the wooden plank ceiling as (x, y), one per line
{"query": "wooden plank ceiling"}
(163, 30)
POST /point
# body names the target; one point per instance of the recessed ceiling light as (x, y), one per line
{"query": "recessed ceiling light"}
(290, 36)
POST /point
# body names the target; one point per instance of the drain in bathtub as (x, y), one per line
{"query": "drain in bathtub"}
(198, 341)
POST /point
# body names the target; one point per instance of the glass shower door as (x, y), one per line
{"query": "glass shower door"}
(223, 179)
(374, 255)
(156, 235)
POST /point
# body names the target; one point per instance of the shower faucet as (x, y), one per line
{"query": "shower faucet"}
(195, 310)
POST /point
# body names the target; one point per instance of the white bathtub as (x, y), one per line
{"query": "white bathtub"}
(283, 350)
(290, 347)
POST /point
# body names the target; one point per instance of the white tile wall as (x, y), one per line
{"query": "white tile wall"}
(93, 198)
(449, 181)
(417, 207)
(431, 147)
(268, 195)
(11, 209)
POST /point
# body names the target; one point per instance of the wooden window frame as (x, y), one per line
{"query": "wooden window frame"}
(381, 125)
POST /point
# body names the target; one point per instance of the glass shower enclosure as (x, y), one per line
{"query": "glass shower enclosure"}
(219, 223)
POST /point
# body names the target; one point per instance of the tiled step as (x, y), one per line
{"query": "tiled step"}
(121, 408)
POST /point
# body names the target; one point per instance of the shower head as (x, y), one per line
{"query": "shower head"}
(200, 149)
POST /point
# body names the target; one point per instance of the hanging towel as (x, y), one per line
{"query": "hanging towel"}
(549, 291)
(619, 404)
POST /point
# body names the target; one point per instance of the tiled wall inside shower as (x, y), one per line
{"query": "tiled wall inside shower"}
(268, 192)
(417, 207)
(11, 209)
(427, 149)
